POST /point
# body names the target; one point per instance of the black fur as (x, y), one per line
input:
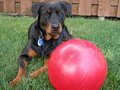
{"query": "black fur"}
(36, 29)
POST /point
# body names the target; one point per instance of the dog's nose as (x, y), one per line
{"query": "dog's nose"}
(55, 26)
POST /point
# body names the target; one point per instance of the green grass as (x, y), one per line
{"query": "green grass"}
(13, 38)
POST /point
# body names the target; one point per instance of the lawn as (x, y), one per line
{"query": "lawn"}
(13, 37)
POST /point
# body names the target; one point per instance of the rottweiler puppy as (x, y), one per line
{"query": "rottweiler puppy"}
(44, 35)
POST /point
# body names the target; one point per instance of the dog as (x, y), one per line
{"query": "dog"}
(44, 35)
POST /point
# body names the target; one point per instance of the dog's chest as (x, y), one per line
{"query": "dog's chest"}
(48, 46)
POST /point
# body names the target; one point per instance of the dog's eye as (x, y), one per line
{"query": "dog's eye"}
(48, 13)
(59, 13)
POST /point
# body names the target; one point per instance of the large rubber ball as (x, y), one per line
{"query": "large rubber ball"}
(77, 65)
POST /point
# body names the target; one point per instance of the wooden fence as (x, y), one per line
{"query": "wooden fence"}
(105, 8)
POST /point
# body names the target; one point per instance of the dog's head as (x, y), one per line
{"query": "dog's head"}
(51, 16)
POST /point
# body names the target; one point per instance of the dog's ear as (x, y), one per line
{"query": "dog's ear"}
(67, 7)
(35, 8)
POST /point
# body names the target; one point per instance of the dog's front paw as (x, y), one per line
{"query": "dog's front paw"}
(34, 75)
(14, 82)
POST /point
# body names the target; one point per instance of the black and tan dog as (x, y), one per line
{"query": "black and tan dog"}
(44, 35)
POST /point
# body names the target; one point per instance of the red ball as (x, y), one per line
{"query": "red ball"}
(77, 65)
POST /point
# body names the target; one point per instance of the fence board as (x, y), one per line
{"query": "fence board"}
(66, 0)
(36, 0)
(102, 8)
(75, 9)
(1, 7)
(9, 6)
(17, 7)
(26, 6)
(114, 2)
(17, 0)
(85, 7)
(94, 9)
(108, 8)
(118, 10)
(113, 11)
(95, 1)
(75, 1)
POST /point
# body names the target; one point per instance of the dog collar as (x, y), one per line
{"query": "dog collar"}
(41, 37)
(40, 40)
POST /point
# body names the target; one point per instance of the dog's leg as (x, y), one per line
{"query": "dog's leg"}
(39, 71)
(22, 62)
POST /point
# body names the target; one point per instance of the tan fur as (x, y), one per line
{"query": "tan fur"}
(48, 30)
(55, 36)
(39, 71)
(32, 53)
(21, 74)
(48, 37)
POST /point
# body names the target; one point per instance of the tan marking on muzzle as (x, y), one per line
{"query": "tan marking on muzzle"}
(55, 36)
(48, 37)
(48, 30)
